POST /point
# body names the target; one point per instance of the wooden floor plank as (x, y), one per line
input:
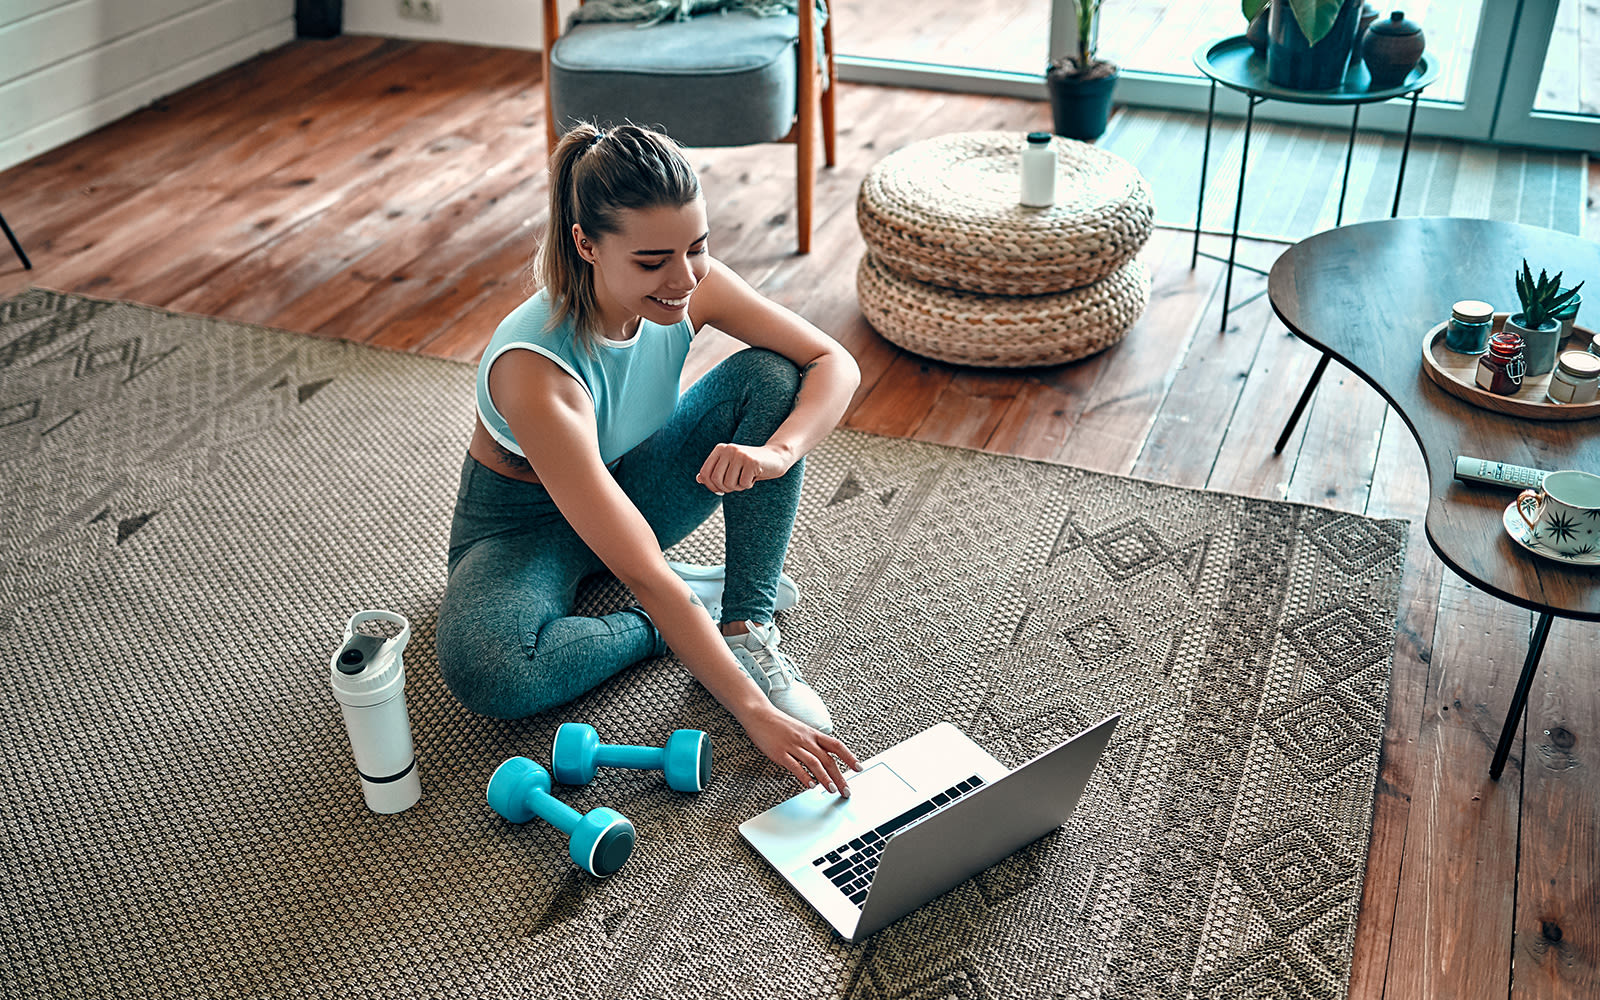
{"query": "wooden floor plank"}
(1558, 908)
(1210, 377)
(1399, 490)
(1457, 889)
(1120, 410)
(1246, 463)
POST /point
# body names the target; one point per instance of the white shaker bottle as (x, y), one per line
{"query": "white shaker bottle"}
(369, 681)
(1039, 171)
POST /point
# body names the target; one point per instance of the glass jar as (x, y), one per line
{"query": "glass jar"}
(1470, 324)
(1576, 378)
(1501, 366)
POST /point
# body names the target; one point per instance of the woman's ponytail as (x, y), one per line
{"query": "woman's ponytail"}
(594, 175)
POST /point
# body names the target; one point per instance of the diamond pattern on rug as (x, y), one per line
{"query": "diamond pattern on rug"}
(195, 507)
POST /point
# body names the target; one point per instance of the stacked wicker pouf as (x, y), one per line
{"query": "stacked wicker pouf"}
(957, 269)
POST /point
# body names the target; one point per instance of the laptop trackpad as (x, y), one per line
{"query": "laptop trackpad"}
(816, 820)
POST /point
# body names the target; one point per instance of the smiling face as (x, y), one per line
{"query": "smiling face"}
(649, 267)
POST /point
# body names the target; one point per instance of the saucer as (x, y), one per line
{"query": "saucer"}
(1520, 533)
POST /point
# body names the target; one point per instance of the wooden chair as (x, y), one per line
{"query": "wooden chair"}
(726, 79)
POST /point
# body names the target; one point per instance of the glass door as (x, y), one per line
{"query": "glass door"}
(978, 46)
(1155, 43)
(1552, 89)
(1523, 73)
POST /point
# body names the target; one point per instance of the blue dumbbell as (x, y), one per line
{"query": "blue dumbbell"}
(578, 752)
(600, 841)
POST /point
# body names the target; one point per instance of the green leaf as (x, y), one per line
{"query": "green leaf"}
(1250, 8)
(1315, 17)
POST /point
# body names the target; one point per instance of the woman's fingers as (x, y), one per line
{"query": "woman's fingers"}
(822, 770)
(830, 774)
(727, 469)
(840, 751)
(794, 767)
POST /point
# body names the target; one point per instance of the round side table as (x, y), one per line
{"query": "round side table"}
(1234, 64)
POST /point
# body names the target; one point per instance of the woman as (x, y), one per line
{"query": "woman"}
(585, 458)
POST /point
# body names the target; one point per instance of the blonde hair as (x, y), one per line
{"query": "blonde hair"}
(596, 174)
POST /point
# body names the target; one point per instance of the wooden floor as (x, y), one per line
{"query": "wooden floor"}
(390, 192)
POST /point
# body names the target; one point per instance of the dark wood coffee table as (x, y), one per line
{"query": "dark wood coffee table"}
(1364, 295)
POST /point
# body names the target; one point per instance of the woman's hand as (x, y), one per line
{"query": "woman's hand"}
(801, 750)
(733, 467)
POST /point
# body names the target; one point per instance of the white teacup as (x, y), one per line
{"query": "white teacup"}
(1564, 514)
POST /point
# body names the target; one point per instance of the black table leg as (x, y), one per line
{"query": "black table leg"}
(1519, 698)
(1205, 158)
(1238, 207)
(26, 264)
(1349, 154)
(1300, 407)
(1405, 152)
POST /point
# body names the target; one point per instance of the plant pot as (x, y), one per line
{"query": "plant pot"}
(1256, 32)
(1392, 50)
(1294, 62)
(1080, 103)
(1539, 346)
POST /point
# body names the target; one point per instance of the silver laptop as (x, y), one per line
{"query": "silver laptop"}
(923, 816)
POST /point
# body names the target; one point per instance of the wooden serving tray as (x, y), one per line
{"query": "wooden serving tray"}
(1457, 374)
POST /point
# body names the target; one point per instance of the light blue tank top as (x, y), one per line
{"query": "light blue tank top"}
(633, 383)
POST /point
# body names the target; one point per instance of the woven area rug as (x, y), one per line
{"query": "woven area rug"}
(1292, 189)
(193, 508)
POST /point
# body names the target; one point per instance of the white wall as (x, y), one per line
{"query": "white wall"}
(514, 24)
(69, 66)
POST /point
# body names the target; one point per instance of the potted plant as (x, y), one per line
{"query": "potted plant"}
(1537, 323)
(1081, 85)
(1309, 41)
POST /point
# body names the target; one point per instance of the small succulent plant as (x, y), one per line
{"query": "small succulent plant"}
(1541, 299)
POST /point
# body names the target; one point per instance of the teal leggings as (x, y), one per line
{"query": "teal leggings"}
(509, 645)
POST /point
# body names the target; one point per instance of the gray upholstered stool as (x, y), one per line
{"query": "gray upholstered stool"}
(604, 71)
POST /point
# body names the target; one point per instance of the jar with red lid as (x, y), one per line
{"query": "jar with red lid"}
(1501, 367)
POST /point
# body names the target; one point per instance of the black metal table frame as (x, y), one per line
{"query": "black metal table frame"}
(1519, 697)
(1257, 97)
(26, 263)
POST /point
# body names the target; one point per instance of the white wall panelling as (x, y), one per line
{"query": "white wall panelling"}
(68, 67)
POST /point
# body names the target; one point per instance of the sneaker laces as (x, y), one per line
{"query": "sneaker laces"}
(773, 663)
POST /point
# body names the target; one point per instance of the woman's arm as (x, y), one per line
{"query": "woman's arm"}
(828, 377)
(553, 420)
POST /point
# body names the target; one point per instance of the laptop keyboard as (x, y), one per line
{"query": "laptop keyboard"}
(851, 865)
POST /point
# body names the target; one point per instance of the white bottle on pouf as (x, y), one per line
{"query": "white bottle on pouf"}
(1039, 171)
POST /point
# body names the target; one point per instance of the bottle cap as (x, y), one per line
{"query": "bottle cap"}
(1506, 344)
(1580, 364)
(367, 669)
(1039, 138)
(1472, 311)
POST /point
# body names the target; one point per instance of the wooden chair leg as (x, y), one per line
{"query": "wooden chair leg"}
(552, 28)
(805, 177)
(827, 126)
(827, 94)
(806, 128)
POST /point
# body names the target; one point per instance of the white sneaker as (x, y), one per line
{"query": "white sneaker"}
(706, 583)
(758, 653)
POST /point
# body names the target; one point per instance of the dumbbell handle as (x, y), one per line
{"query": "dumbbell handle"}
(620, 755)
(553, 811)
